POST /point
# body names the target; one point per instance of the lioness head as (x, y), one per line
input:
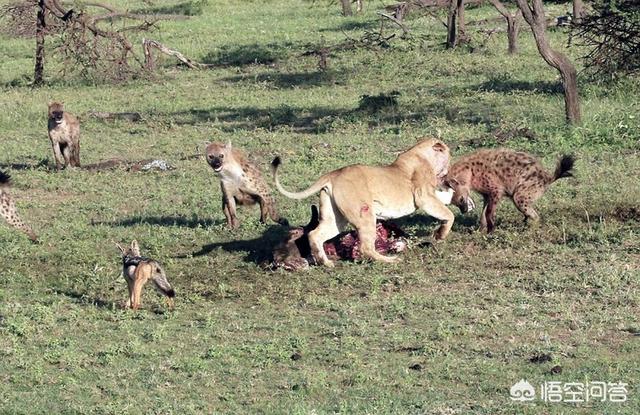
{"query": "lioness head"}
(56, 111)
(216, 154)
(436, 153)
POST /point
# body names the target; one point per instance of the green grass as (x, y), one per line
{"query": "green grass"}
(472, 312)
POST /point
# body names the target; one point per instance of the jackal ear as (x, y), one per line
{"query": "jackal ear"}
(122, 251)
(135, 248)
(439, 146)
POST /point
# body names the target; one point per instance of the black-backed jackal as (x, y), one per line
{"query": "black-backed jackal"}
(137, 270)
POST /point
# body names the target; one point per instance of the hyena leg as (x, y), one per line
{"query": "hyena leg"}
(67, 153)
(524, 199)
(75, 155)
(57, 155)
(229, 209)
(268, 209)
(489, 213)
(331, 223)
(229, 206)
(10, 214)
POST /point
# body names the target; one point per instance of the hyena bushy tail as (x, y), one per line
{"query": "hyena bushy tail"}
(564, 167)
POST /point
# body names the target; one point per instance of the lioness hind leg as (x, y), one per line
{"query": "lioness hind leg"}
(331, 222)
(367, 235)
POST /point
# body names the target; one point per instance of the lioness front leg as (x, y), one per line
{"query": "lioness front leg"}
(434, 207)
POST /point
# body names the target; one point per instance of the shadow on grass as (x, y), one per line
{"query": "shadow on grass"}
(304, 120)
(180, 221)
(352, 25)
(42, 164)
(258, 250)
(84, 299)
(185, 8)
(252, 54)
(508, 85)
(290, 80)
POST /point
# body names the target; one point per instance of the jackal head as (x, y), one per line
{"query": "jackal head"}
(56, 111)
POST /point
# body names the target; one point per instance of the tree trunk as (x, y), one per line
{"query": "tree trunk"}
(38, 73)
(460, 16)
(513, 25)
(513, 29)
(451, 25)
(346, 8)
(535, 17)
(578, 10)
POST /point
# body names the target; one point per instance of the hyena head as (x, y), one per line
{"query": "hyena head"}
(56, 111)
(461, 192)
(217, 154)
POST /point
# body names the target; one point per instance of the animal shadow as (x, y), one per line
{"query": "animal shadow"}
(181, 221)
(258, 250)
(85, 299)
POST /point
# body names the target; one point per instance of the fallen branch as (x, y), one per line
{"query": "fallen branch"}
(129, 116)
(405, 29)
(148, 44)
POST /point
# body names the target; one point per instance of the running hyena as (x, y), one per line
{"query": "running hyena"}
(503, 172)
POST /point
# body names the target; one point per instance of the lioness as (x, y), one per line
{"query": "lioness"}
(360, 194)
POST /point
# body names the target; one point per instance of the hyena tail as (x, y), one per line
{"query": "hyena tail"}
(5, 179)
(564, 167)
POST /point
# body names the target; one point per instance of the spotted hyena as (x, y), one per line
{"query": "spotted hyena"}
(502, 172)
(241, 183)
(8, 208)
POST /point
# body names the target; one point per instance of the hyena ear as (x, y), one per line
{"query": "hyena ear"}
(228, 145)
(451, 182)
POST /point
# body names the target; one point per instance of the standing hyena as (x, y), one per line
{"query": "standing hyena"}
(64, 133)
(241, 183)
(502, 172)
(8, 208)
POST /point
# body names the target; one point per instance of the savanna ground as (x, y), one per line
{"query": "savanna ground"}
(447, 331)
